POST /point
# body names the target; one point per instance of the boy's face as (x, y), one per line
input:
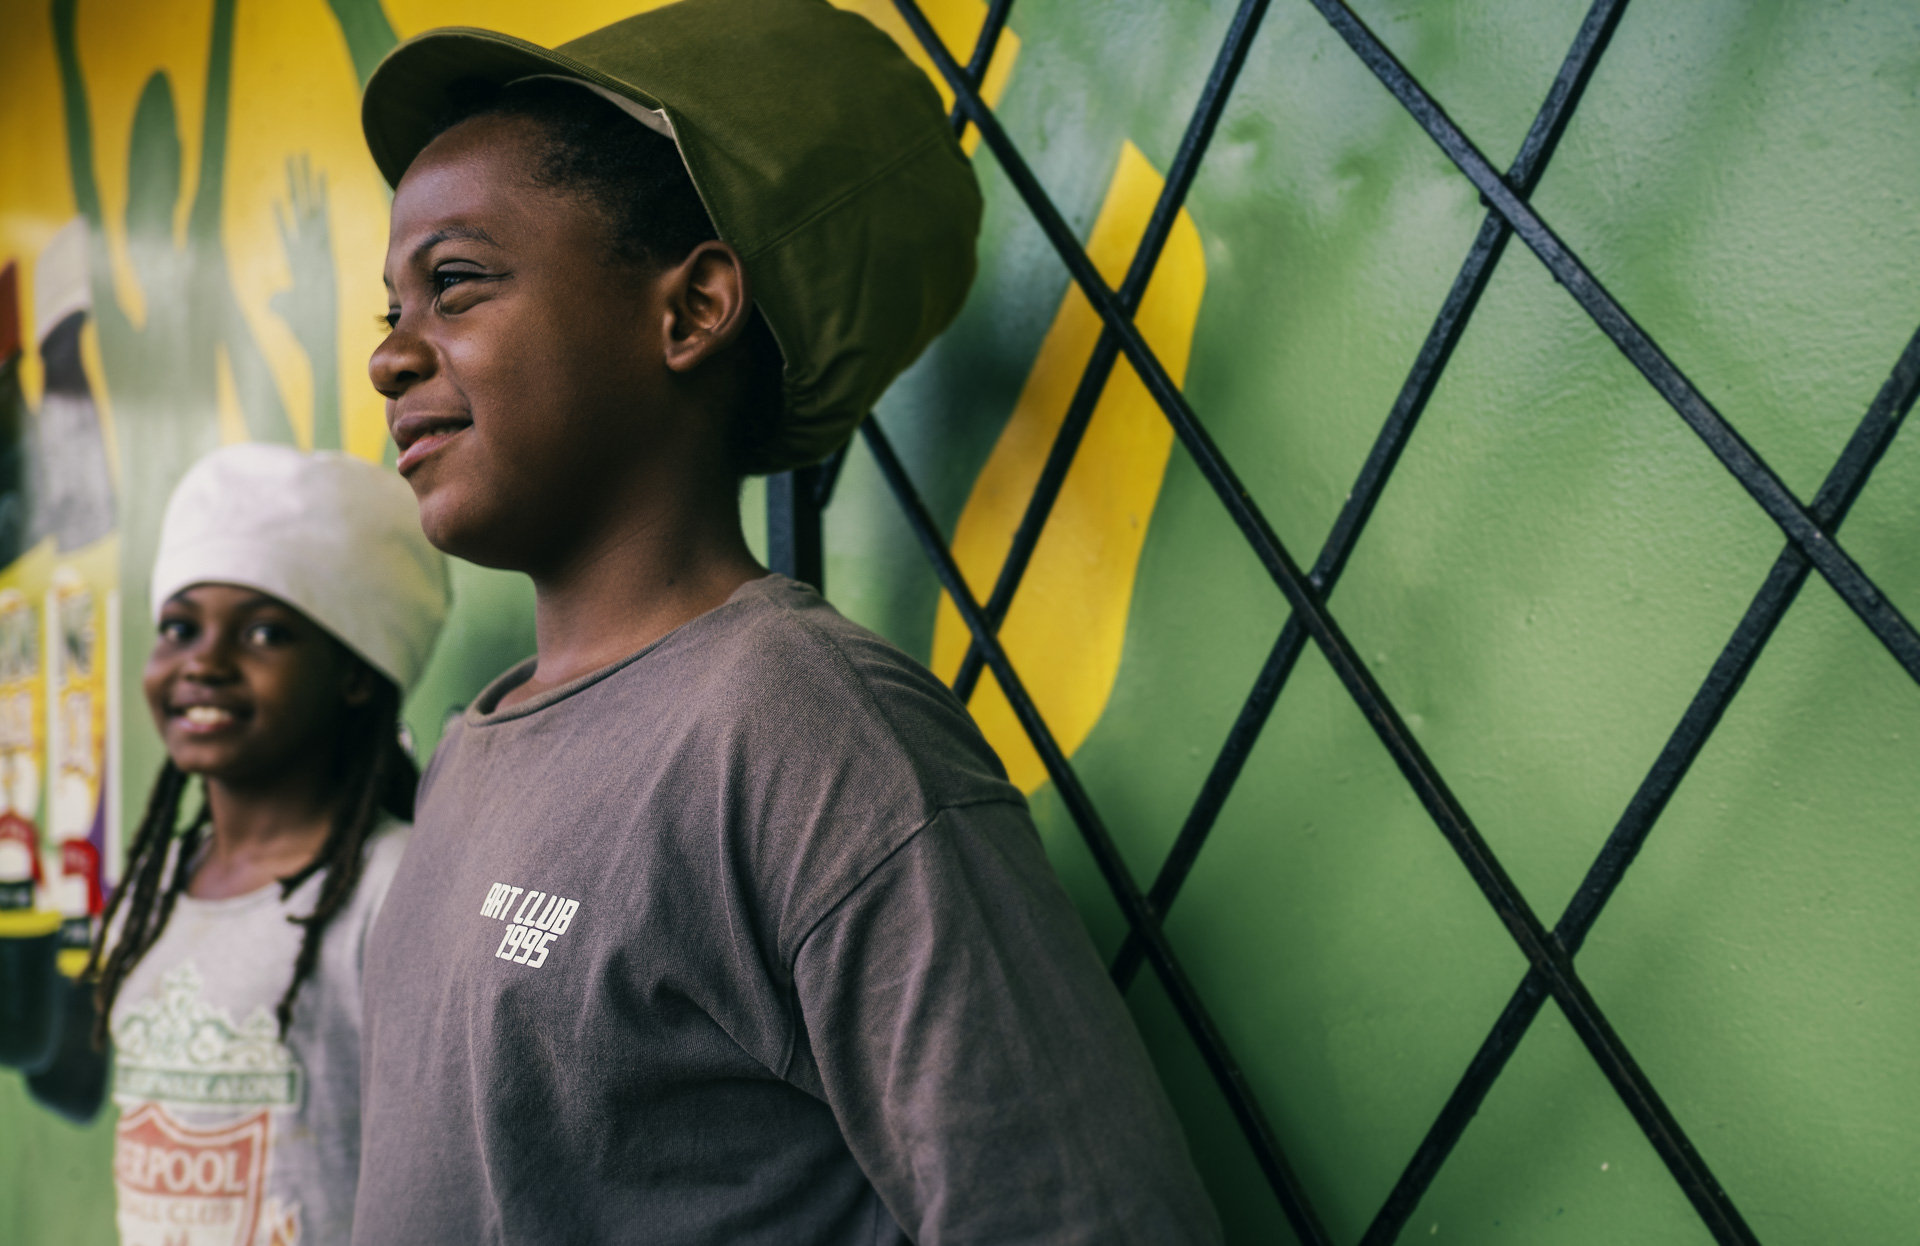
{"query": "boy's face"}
(244, 687)
(524, 374)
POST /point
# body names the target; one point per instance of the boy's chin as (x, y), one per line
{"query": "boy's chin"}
(473, 534)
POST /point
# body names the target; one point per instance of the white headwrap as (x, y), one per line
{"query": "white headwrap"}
(335, 537)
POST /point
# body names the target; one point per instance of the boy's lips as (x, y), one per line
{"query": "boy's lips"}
(418, 436)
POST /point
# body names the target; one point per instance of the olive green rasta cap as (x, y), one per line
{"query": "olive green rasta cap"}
(821, 152)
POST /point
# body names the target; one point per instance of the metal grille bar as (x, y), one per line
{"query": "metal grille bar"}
(1541, 950)
(1535, 151)
(1859, 592)
(1093, 381)
(1809, 531)
(795, 500)
(1837, 495)
(983, 47)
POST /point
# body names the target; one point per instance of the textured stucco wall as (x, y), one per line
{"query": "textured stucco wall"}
(1553, 569)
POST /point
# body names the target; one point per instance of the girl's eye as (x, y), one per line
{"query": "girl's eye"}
(176, 631)
(445, 279)
(266, 634)
(391, 320)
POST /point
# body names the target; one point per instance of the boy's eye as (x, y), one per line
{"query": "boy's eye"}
(267, 634)
(176, 631)
(391, 320)
(445, 279)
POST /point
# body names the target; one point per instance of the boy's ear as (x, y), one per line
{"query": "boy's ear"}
(708, 305)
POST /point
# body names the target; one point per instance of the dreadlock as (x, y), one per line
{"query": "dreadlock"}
(146, 864)
(375, 777)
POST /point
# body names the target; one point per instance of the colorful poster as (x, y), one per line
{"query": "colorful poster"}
(23, 723)
(22, 691)
(73, 510)
(82, 624)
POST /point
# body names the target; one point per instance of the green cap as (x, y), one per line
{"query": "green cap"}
(821, 152)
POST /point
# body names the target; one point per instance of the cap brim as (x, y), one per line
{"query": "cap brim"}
(409, 92)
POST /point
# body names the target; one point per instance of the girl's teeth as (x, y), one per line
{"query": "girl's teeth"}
(207, 715)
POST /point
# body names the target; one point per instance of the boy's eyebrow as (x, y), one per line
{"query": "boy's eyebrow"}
(469, 232)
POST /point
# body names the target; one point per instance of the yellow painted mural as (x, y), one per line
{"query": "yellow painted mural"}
(270, 319)
(1068, 624)
(38, 196)
(304, 220)
(303, 210)
(190, 175)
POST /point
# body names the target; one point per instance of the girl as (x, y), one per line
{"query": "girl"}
(296, 600)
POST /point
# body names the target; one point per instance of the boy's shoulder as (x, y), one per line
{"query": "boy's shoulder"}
(773, 691)
(776, 636)
(779, 664)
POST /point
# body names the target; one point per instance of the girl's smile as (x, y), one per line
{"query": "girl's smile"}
(207, 719)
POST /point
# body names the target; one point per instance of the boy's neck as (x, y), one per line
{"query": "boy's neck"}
(632, 582)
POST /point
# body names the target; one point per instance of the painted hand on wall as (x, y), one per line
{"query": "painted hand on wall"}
(178, 357)
(179, 343)
(311, 305)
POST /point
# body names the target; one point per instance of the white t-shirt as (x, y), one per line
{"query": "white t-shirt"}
(227, 1134)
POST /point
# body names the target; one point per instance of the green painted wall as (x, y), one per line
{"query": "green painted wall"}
(1550, 575)
(1547, 581)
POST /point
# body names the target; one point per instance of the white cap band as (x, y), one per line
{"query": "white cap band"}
(653, 118)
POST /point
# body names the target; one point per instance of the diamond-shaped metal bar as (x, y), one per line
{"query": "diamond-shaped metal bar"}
(1837, 495)
(1106, 351)
(1855, 588)
(983, 47)
(1541, 950)
(1535, 151)
(1180, 990)
(829, 474)
(794, 542)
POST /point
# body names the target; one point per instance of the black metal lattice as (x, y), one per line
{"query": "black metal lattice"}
(795, 502)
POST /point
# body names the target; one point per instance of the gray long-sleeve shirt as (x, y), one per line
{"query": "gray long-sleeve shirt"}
(747, 939)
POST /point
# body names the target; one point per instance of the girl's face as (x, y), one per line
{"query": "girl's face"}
(245, 688)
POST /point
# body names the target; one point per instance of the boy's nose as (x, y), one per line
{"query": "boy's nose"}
(399, 362)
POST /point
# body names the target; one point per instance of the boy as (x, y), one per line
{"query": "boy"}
(720, 922)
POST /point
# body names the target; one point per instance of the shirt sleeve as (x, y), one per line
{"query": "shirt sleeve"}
(985, 1072)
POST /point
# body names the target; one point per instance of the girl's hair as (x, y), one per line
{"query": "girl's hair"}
(374, 775)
